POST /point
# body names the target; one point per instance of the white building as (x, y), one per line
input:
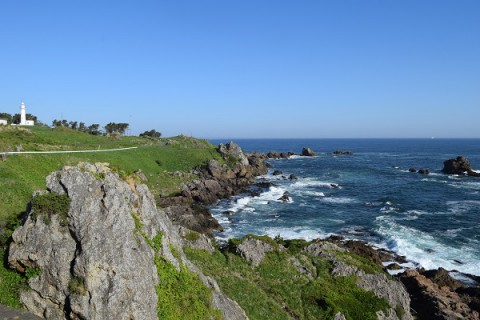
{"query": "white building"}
(3, 121)
(23, 117)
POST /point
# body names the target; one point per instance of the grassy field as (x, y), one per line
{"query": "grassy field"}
(20, 175)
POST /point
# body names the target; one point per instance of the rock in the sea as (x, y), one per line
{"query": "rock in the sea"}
(343, 152)
(460, 165)
(285, 197)
(277, 173)
(293, 177)
(307, 152)
(423, 171)
(412, 170)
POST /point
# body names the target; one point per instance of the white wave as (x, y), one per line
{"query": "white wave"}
(339, 200)
(314, 183)
(426, 250)
(296, 156)
(314, 193)
(296, 233)
(476, 171)
(460, 207)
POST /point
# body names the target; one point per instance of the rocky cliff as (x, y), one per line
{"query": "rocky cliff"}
(215, 180)
(93, 246)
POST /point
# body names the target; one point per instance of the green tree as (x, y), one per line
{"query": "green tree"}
(152, 134)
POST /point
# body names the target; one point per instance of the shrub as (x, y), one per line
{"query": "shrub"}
(48, 204)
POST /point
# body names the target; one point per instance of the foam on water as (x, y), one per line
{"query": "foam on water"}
(339, 200)
(425, 249)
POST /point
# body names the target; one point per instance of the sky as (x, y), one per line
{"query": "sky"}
(247, 69)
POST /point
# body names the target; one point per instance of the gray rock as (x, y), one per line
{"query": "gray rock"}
(339, 316)
(307, 152)
(253, 250)
(392, 291)
(231, 149)
(100, 266)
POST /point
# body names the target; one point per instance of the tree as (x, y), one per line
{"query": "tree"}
(152, 134)
(73, 125)
(112, 127)
(94, 129)
(16, 118)
(82, 127)
(6, 116)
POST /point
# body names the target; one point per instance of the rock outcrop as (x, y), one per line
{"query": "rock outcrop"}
(307, 152)
(253, 250)
(460, 165)
(215, 181)
(432, 301)
(392, 291)
(97, 261)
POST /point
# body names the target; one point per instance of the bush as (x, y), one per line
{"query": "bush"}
(48, 204)
(151, 134)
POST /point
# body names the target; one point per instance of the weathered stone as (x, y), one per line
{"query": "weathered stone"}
(253, 250)
(307, 152)
(231, 149)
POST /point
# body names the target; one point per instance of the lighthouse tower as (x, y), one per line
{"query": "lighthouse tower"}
(23, 115)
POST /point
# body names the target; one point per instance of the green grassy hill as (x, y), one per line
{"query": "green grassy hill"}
(20, 175)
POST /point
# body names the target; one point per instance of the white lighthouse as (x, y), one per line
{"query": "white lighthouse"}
(23, 116)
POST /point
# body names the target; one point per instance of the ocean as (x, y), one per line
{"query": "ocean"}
(433, 220)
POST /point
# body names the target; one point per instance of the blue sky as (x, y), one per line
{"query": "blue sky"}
(231, 68)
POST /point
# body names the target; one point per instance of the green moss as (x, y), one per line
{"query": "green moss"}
(359, 261)
(32, 272)
(175, 252)
(77, 286)
(192, 236)
(48, 204)
(234, 242)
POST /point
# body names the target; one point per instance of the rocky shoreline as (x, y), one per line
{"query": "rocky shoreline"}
(80, 253)
(434, 294)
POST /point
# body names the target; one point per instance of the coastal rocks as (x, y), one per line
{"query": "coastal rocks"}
(460, 165)
(392, 291)
(279, 155)
(307, 152)
(253, 250)
(412, 170)
(285, 197)
(215, 181)
(423, 171)
(231, 149)
(431, 301)
(342, 152)
(84, 270)
(277, 173)
(96, 259)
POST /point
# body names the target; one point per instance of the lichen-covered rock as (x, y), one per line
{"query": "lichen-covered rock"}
(253, 250)
(98, 261)
(231, 149)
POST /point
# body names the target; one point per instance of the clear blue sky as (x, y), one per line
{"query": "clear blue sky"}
(238, 68)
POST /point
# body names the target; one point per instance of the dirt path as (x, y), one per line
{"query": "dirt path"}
(66, 151)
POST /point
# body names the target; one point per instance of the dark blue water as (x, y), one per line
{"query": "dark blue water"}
(434, 220)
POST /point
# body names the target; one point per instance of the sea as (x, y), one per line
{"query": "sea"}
(433, 220)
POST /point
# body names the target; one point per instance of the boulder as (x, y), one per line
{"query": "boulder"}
(253, 250)
(423, 171)
(293, 177)
(460, 165)
(307, 152)
(285, 197)
(412, 170)
(433, 302)
(231, 149)
(277, 173)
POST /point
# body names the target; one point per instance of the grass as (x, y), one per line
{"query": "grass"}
(45, 205)
(11, 282)
(20, 175)
(277, 290)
